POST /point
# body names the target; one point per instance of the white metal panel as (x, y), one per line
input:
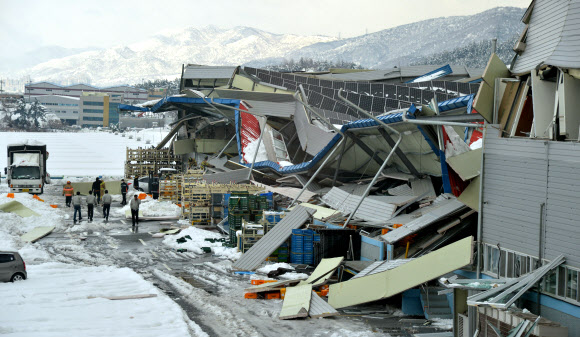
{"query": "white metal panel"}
(544, 32)
(369, 210)
(296, 302)
(391, 282)
(441, 210)
(323, 271)
(258, 253)
(566, 54)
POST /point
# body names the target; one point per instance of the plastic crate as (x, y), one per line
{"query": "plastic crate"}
(296, 258)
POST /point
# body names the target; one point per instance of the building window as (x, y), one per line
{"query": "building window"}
(93, 103)
(98, 119)
(94, 111)
(562, 283)
(75, 112)
(48, 89)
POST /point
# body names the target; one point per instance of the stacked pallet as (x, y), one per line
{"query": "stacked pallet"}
(143, 161)
(170, 190)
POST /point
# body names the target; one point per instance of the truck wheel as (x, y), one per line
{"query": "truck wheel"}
(41, 190)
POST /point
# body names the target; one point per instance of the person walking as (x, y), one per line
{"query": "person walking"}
(124, 189)
(77, 201)
(103, 188)
(136, 183)
(97, 190)
(107, 200)
(91, 201)
(68, 192)
(134, 205)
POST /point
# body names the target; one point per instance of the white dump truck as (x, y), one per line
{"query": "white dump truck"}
(26, 170)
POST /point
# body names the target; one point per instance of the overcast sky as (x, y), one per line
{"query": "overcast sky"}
(28, 24)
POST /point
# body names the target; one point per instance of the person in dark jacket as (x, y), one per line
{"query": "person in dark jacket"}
(136, 182)
(155, 187)
(97, 189)
(124, 189)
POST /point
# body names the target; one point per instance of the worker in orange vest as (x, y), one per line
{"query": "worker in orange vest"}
(68, 192)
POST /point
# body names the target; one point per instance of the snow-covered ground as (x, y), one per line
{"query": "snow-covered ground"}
(63, 298)
(84, 153)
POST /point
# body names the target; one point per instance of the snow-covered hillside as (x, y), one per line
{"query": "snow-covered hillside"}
(161, 56)
(399, 45)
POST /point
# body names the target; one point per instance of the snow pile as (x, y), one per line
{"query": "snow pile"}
(270, 267)
(67, 300)
(13, 226)
(250, 150)
(150, 207)
(477, 144)
(197, 241)
(442, 323)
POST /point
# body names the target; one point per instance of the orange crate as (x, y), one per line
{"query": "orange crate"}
(273, 295)
(54, 206)
(10, 195)
(324, 287)
(257, 282)
(142, 196)
(324, 292)
(282, 293)
(251, 295)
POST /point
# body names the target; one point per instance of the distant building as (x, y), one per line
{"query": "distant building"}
(157, 93)
(64, 107)
(99, 109)
(130, 95)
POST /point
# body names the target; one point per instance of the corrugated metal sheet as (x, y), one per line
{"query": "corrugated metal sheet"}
(562, 235)
(252, 259)
(514, 187)
(566, 54)
(290, 192)
(440, 210)
(235, 176)
(273, 97)
(381, 266)
(271, 286)
(272, 109)
(391, 282)
(403, 190)
(312, 138)
(434, 74)
(369, 210)
(299, 180)
(423, 187)
(319, 307)
(208, 72)
(544, 33)
(296, 302)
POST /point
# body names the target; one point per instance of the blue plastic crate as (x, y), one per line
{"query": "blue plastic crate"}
(296, 258)
(316, 238)
(297, 231)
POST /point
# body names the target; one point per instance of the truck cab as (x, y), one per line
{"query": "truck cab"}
(26, 171)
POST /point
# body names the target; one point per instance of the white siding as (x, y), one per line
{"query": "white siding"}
(521, 174)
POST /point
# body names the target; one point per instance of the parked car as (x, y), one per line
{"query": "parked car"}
(12, 267)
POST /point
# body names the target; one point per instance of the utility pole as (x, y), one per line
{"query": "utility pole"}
(493, 46)
(1, 84)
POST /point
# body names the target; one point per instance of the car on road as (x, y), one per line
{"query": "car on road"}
(12, 267)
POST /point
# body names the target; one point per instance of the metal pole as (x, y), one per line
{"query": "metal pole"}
(257, 148)
(480, 210)
(225, 147)
(374, 179)
(317, 171)
(441, 123)
(338, 165)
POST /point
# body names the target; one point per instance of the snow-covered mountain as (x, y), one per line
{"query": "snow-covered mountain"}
(391, 47)
(161, 56)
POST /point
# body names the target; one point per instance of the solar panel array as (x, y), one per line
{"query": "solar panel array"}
(373, 97)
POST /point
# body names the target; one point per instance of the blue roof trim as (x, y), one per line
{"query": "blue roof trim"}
(127, 107)
(437, 73)
(476, 81)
